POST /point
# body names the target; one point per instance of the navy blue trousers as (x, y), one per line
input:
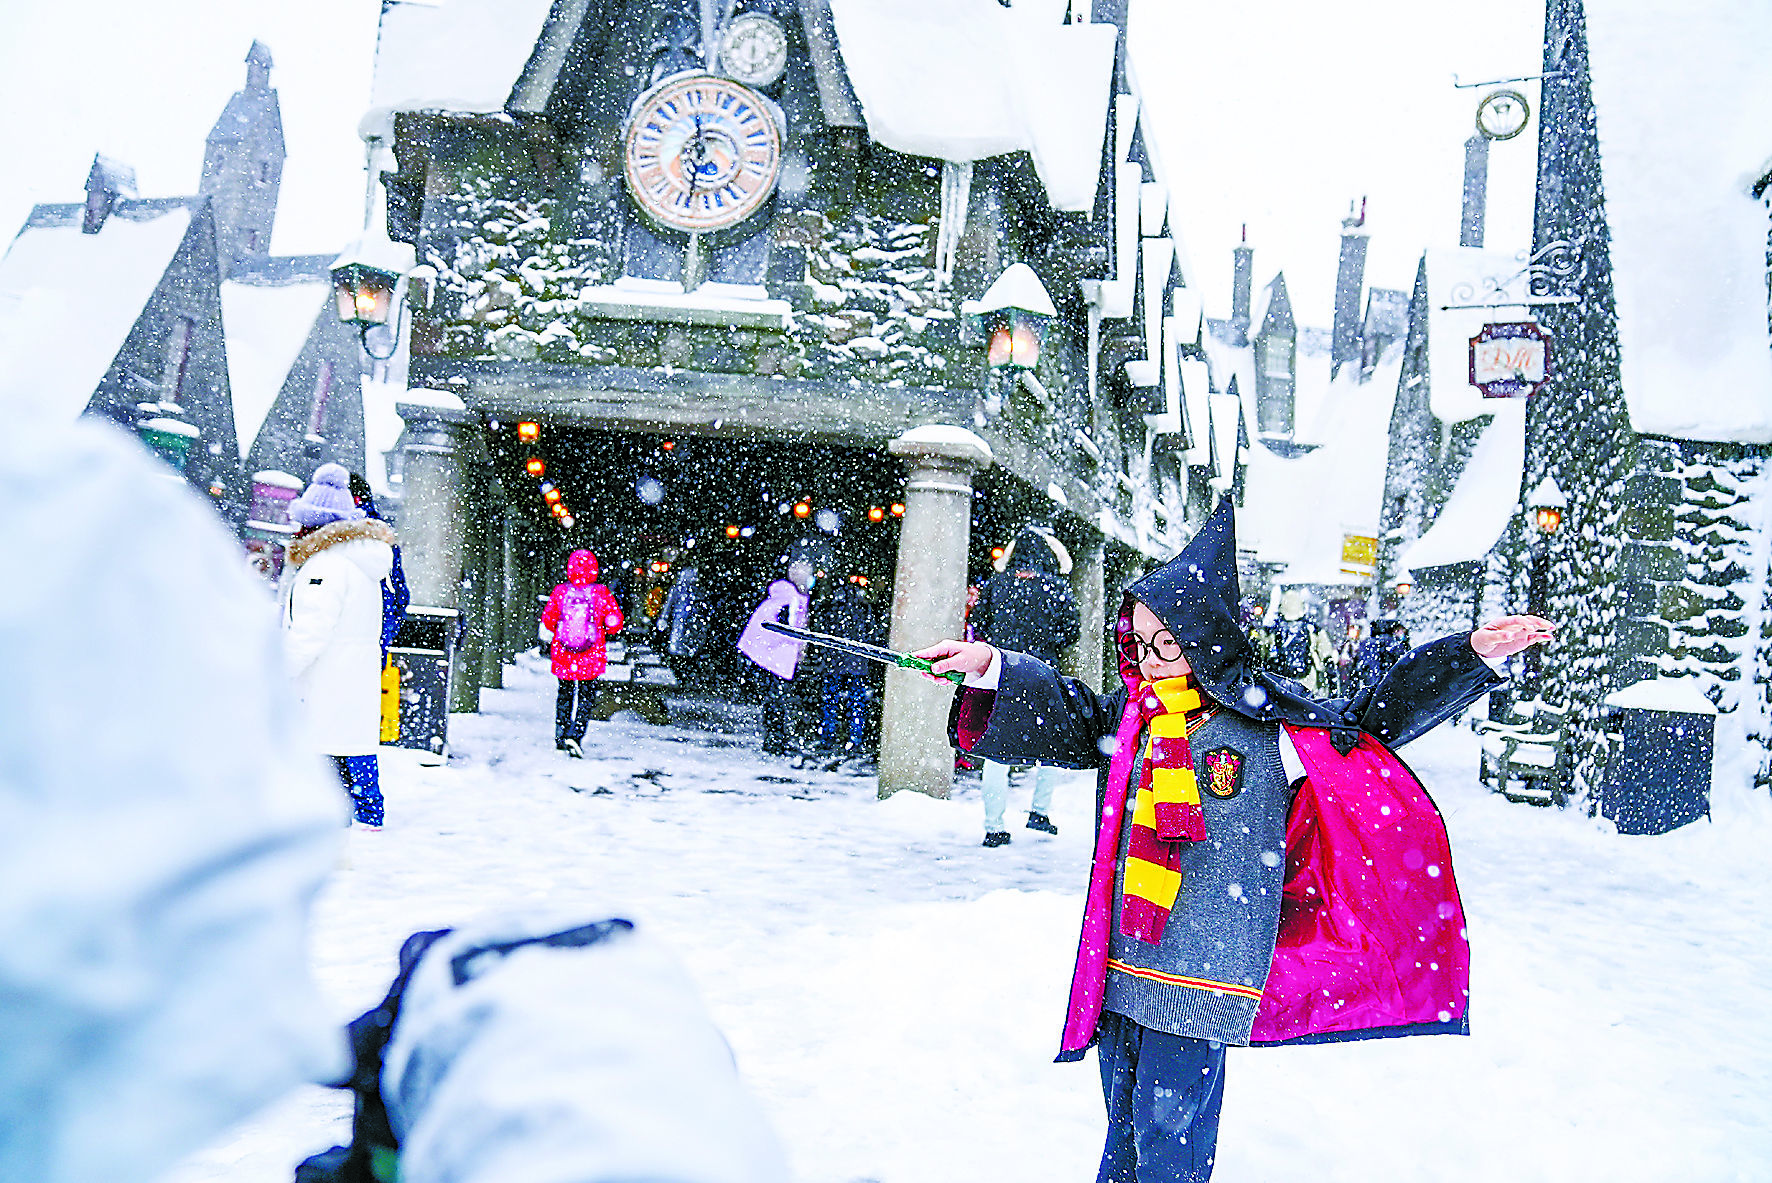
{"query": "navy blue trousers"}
(362, 777)
(1163, 1095)
(572, 708)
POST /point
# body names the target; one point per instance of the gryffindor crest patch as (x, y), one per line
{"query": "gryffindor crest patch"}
(1224, 773)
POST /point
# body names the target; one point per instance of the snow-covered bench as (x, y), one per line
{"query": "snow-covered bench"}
(1528, 747)
(635, 679)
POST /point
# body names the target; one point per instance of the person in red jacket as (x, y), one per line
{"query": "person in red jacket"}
(579, 615)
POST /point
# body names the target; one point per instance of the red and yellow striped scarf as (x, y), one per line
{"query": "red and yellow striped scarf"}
(1166, 812)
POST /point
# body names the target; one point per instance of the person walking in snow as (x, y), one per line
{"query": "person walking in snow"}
(332, 609)
(396, 597)
(1265, 870)
(1028, 607)
(1297, 648)
(787, 601)
(840, 609)
(579, 616)
(1375, 655)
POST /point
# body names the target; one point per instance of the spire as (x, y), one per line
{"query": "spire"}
(258, 67)
(1242, 286)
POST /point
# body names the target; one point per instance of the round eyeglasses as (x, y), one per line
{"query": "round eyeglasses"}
(1164, 646)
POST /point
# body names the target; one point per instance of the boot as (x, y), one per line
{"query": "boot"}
(997, 838)
(1039, 821)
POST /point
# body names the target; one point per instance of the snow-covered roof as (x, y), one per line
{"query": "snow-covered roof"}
(1682, 95)
(266, 328)
(455, 55)
(1679, 695)
(1486, 497)
(970, 79)
(1465, 275)
(69, 300)
(1296, 509)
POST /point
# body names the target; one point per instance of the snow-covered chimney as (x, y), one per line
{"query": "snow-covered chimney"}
(1242, 285)
(1350, 278)
(1476, 190)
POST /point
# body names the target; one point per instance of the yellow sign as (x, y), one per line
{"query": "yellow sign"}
(1359, 554)
(390, 703)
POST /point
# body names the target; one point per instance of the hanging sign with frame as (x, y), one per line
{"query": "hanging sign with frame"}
(1510, 360)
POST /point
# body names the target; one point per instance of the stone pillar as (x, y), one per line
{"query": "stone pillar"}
(1085, 659)
(928, 601)
(434, 514)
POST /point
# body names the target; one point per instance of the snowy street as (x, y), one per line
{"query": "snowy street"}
(893, 991)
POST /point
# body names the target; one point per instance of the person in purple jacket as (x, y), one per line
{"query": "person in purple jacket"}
(1266, 871)
(788, 601)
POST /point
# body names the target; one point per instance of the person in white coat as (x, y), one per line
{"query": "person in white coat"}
(332, 616)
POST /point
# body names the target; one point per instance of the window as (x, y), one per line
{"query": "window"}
(178, 357)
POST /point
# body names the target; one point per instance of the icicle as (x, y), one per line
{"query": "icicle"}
(956, 194)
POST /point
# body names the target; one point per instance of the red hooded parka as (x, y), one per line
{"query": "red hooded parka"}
(582, 665)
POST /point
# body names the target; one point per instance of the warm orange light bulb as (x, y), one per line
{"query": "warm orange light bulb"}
(898, 509)
(802, 509)
(876, 514)
(534, 466)
(732, 531)
(527, 430)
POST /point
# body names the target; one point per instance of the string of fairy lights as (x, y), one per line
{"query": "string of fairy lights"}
(529, 434)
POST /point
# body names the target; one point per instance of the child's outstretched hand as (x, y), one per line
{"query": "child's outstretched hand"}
(1510, 635)
(971, 658)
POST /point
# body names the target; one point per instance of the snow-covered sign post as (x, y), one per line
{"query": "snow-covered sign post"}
(1510, 360)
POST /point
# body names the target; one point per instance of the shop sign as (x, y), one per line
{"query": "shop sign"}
(1510, 360)
(1359, 554)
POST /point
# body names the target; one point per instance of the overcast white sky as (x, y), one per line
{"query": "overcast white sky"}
(1274, 113)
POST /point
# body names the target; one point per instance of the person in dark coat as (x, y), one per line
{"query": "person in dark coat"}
(396, 597)
(1265, 870)
(1028, 607)
(840, 609)
(1374, 656)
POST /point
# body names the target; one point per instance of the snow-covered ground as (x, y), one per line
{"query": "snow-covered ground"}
(893, 991)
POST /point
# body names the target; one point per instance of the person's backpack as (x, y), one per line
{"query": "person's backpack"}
(578, 619)
(1292, 648)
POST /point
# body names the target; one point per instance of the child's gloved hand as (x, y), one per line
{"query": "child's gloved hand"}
(971, 658)
(1510, 635)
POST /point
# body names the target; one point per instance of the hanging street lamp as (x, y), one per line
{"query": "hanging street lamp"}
(366, 283)
(1547, 504)
(1013, 315)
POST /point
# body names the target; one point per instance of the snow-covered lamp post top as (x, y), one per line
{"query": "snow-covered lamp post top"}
(1013, 314)
(1547, 504)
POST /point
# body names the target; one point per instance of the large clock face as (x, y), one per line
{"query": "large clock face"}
(703, 152)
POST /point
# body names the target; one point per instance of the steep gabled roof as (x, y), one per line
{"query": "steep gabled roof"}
(68, 300)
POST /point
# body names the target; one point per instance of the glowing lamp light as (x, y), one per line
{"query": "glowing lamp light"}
(669, 445)
(898, 509)
(996, 553)
(1547, 504)
(365, 294)
(566, 520)
(876, 514)
(557, 509)
(552, 496)
(732, 531)
(1404, 583)
(1012, 315)
(802, 509)
(534, 466)
(528, 432)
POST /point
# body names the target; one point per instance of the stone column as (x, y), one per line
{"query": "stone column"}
(928, 601)
(1085, 659)
(434, 514)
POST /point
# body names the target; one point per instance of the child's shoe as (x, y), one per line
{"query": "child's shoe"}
(573, 750)
(997, 838)
(1039, 821)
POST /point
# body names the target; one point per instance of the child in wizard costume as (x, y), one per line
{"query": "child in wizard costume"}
(1266, 871)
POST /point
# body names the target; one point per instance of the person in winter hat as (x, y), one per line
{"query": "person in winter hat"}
(787, 601)
(1027, 607)
(579, 615)
(331, 600)
(1297, 648)
(1265, 870)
